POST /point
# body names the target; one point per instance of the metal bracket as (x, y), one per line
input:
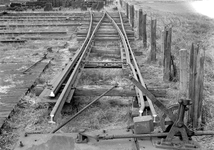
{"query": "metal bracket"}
(81, 138)
(181, 130)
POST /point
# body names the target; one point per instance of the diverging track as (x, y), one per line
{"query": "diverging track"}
(100, 38)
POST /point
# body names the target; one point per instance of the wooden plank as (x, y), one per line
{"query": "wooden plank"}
(2, 119)
(4, 114)
(9, 100)
(34, 32)
(5, 108)
(70, 14)
(12, 41)
(96, 90)
(42, 20)
(93, 64)
(33, 25)
(105, 38)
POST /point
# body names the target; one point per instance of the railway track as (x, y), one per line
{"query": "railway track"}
(62, 88)
(107, 45)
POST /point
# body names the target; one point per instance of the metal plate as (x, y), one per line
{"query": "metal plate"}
(67, 142)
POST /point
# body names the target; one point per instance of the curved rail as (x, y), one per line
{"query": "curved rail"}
(72, 79)
(57, 83)
(128, 59)
(154, 114)
(131, 61)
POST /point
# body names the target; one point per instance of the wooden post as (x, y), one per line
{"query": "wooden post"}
(153, 40)
(124, 5)
(192, 82)
(139, 24)
(121, 3)
(183, 91)
(167, 38)
(135, 17)
(198, 88)
(144, 32)
(201, 83)
(163, 38)
(131, 15)
(127, 10)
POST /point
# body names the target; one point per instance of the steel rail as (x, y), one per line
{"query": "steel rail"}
(128, 58)
(83, 109)
(57, 82)
(154, 114)
(71, 81)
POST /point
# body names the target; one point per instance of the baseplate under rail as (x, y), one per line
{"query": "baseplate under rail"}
(68, 141)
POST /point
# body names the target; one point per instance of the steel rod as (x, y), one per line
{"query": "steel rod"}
(109, 137)
(84, 109)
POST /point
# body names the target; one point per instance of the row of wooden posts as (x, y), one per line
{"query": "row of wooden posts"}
(191, 73)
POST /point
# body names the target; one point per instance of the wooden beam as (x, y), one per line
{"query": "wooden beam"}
(96, 90)
(35, 25)
(34, 32)
(103, 65)
(105, 38)
(103, 50)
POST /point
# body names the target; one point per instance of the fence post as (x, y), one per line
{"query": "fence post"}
(198, 87)
(121, 3)
(135, 17)
(163, 38)
(139, 24)
(152, 56)
(183, 90)
(131, 16)
(127, 9)
(167, 62)
(192, 66)
(144, 32)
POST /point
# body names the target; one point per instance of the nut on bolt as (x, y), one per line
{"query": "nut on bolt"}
(21, 144)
